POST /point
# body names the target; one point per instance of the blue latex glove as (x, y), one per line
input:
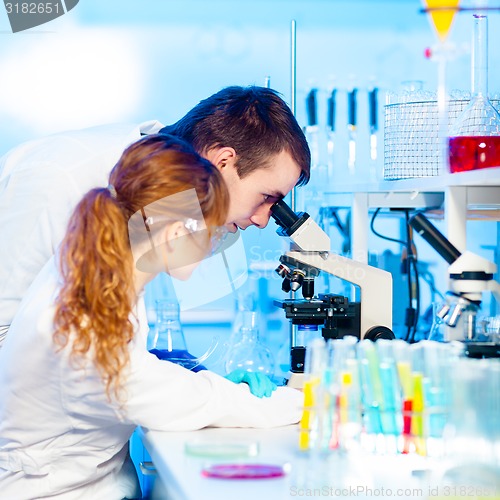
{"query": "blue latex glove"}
(260, 385)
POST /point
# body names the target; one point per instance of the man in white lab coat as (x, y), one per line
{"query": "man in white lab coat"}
(249, 134)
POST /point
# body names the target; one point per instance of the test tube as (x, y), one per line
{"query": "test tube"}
(344, 414)
(391, 393)
(372, 395)
(434, 365)
(311, 423)
(401, 350)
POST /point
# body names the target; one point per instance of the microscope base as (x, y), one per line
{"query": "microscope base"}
(296, 381)
(482, 349)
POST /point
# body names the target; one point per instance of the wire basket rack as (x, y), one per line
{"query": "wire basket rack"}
(411, 140)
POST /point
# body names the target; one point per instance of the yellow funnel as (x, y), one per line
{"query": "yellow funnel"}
(442, 17)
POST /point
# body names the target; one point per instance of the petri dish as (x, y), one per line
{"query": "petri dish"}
(217, 449)
(243, 471)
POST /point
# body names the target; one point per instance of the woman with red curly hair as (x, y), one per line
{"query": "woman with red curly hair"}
(79, 379)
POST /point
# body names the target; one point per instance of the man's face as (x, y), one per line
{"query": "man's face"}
(251, 197)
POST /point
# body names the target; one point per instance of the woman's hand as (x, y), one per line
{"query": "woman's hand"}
(260, 385)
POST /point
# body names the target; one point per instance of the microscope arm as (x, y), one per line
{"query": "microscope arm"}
(375, 285)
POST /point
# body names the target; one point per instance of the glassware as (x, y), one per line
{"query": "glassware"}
(248, 352)
(244, 314)
(378, 400)
(245, 305)
(221, 449)
(441, 14)
(342, 383)
(474, 141)
(433, 366)
(312, 422)
(489, 329)
(472, 434)
(437, 332)
(166, 340)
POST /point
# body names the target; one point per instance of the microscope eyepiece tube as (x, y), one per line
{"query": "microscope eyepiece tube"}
(435, 239)
(288, 221)
(283, 214)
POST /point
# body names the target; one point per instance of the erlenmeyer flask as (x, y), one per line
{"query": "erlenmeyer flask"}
(245, 305)
(248, 352)
(474, 141)
(166, 339)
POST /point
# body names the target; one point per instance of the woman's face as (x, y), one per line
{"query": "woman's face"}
(174, 247)
(193, 247)
(185, 252)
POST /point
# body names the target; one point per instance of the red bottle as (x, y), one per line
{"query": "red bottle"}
(474, 152)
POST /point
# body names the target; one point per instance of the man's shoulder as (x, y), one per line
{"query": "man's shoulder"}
(107, 134)
(72, 148)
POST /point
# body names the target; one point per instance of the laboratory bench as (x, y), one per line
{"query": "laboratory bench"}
(179, 474)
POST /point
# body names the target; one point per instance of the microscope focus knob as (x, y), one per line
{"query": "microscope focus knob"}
(379, 332)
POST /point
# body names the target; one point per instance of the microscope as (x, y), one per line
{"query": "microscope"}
(310, 254)
(469, 276)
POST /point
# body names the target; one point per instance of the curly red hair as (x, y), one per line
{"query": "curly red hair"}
(94, 305)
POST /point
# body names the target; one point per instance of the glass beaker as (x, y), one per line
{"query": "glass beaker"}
(474, 141)
(248, 352)
(166, 340)
(438, 327)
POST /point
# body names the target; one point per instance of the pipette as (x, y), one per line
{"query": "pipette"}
(312, 126)
(330, 121)
(373, 108)
(351, 128)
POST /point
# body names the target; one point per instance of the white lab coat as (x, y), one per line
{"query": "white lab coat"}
(41, 182)
(60, 436)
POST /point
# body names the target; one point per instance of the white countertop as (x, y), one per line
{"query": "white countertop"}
(328, 476)
(182, 476)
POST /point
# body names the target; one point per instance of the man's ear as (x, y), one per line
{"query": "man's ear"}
(221, 157)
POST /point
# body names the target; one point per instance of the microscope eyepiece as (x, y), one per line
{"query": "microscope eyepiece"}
(283, 214)
(286, 218)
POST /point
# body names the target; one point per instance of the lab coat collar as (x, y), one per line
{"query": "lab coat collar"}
(149, 127)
